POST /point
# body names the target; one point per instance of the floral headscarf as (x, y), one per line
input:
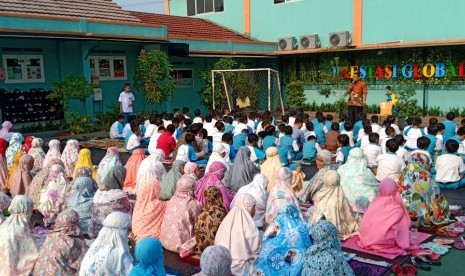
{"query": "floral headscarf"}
(27, 145)
(5, 201)
(40, 181)
(53, 196)
(316, 182)
(38, 154)
(64, 248)
(4, 132)
(22, 177)
(215, 260)
(80, 200)
(70, 156)
(109, 160)
(53, 152)
(213, 178)
(13, 148)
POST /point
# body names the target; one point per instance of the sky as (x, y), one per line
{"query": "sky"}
(153, 6)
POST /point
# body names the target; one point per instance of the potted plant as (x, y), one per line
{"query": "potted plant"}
(407, 106)
(295, 95)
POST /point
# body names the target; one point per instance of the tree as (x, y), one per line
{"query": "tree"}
(295, 95)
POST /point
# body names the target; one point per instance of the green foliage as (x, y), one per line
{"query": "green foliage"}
(206, 93)
(39, 127)
(153, 76)
(295, 95)
(325, 91)
(73, 87)
(106, 119)
(407, 105)
(435, 111)
(77, 124)
(242, 87)
(340, 105)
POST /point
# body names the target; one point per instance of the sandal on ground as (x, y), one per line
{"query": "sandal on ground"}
(447, 233)
(419, 263)
(398, 270)
(430, 261)
(409, 270)
(426, 252)
(459, 243)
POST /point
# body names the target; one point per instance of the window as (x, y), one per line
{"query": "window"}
(23, 68)
(195, 7)
(183, 78)
(108, 68)
(282, 1)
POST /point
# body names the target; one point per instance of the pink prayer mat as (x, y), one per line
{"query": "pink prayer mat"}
(352, 243)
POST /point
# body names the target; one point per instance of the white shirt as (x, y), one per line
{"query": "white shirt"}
(402, 153)
(126, 129)
(291, 121)
(361, 133)
(382, 133)
(412, 136)
(383, 143)
(197, 120)
(125, 99)
(308, 134)
(217, 138)
(183, 153)
(422, 152)
(150, 130)
(371, 153)
(389, 165)
(210, 127)
(153, 142)
(228, 150)
(239, 128)
(351, 136)
(365, 142)
(114, 132)
(448, 168)
(440, 142)
(375, 128)
(133, 142)
(396, 128)
(251, 124)
(166, 123)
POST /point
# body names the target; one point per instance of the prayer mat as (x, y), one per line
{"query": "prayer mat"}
(172, 271)
(351, 243)
(366, 269)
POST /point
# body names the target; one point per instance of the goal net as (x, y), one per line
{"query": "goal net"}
(255, 88)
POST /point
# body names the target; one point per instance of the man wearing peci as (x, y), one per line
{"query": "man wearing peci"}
(357, 91)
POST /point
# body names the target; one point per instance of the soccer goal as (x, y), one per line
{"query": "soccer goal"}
(258, 88)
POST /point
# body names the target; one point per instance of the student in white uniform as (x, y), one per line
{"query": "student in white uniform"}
(450, 168)
(389, 164)
(126, 100)
(372, 150)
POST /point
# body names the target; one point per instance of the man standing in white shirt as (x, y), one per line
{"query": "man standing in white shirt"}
(126, 100)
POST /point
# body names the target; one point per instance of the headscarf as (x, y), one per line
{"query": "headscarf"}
(168, 185)
(53, 152)
(420, 192)
(22, 177)
(3, 164)
(325, 257)
(209, 220)
(5, 202)
(284, 244)
(70, 156)
(257, 189)
(84, 160)
(148, 211)
(179, 143)
(239, 234)
(14, 168)
(316, 182)
(178, 227)
(298, 177)
(80, 200)
(216, 157)
(190, 169)
(40, 181)
(109, 198)
(38, 154)
(243, 170)
(13, 148)
(215, 260)
(109, 253)
(18, 251)
(132, 166)
(332, 203)
(358, 182)
(213, 179)
(281, 194)
(27, 145)
(149, 258)
(271, 166)
(86, 172)
(108, 161)
(387, 212)
(151, 166)
(64, 248)
(6, 127)
(53, 195)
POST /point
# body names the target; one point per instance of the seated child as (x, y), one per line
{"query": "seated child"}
(439, 136)
(401, 152)
(349, 131)
(422, 147)
(331, 138)
(220, 127)
(392, 121)
(270, 138)
(281, 132)
(116, 129)
(342, 120)
(197, 119)
(127, 126)
(310, 149)
(359, 124)
(412, 134)
(289, 145)
(207, 145)
(329, 121)
(134, 141)
(431, 122)
(343, 149)
(309, 130)
(228, 127)
(450, 168)
(434, 146)
(166, 141)
(255, 153)
(389, 132)
(375, 127)
(186, 152)
(226, 141)
(459, 137)
(239, 139)
(382, 131)
(450, 126)
(152, 128)
(154, 139)
(372, 150)
(389, 164)
(364, 136)
(320, 130)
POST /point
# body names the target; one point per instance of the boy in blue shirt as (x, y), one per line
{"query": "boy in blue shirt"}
(432, 132)
(270, 138)
(450, 125)
(187, 152)
(320, 130)
(329, 121)
(359, 124)
(459, 137)
(239, 139)
(287, 144)
(116, 129)
(256, 154)
(228, 127)
(343, 149)
(310, 149)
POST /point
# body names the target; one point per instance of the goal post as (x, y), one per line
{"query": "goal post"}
(258, 88)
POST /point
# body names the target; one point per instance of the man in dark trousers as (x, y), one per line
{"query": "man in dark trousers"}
(357, 91)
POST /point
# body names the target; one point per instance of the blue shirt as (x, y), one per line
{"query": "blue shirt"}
(357, 127)
(328, 124)
(228, 128)
(268, 142)
(341, 126)
(450, 129)
(260, 154)
(309, 150)
(345, 151)
(432, 145)
(126, 139)
(120, 128)
(320, 134)
(191, 153)
(239, 141)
